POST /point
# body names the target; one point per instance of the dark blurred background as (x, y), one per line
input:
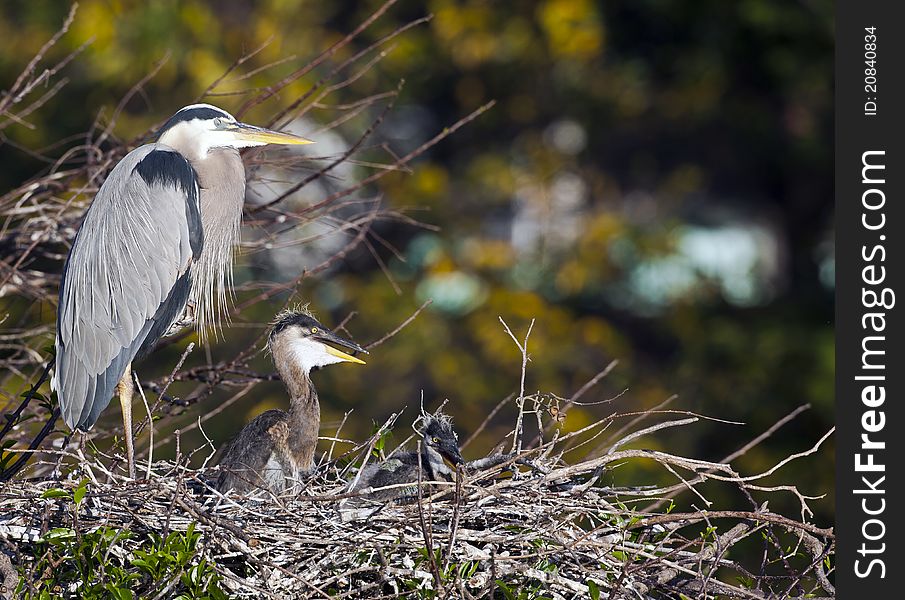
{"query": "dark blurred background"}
(653, 186)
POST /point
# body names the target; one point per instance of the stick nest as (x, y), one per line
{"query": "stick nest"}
(512, 525)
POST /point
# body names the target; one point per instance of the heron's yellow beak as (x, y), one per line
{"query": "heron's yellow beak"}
(260, 135)
(342, 355)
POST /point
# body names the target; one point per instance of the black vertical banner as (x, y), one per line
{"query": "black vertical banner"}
(870, 271)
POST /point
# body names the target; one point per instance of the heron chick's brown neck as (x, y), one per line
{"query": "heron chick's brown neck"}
(299, 344)
(292, 369)
(304, 408)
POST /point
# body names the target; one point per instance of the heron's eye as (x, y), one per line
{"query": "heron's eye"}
(314, 330)
(218, 122)
(436, 440)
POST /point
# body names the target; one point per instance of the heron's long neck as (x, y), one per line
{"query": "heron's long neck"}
(221, 176)
(304, 408)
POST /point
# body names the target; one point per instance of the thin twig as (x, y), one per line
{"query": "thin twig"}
(520, 401)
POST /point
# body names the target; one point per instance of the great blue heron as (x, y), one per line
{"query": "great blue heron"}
(276, 447)
(439, 443)
(159, 233)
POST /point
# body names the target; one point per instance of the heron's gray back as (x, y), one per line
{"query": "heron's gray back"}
(127, 276)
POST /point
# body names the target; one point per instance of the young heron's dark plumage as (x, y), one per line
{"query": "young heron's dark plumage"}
(277, 447)
(439, 444)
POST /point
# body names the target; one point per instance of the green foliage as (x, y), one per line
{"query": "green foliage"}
(66, 559)
(106, 563)
(381, 442)
(593, 590)
(529, 590)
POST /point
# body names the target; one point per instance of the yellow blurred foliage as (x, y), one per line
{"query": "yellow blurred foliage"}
(429, 181)
(573, 28)
(488, 254)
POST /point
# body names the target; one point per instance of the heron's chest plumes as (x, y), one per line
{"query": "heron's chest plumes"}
(221, 176)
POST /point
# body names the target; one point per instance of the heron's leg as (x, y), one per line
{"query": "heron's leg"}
(125, 400)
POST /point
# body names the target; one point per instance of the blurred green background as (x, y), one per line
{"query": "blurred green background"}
(653, 186)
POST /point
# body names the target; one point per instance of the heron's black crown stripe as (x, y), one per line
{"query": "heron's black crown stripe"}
(199, 112)
(299, 319)
(164, 167)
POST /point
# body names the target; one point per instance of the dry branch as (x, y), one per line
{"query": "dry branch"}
(548, 532)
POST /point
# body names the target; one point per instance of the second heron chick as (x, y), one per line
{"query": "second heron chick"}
(439, 445)
(277, 447)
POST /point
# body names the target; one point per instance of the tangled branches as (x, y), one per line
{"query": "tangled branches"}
(525, 522)
(306, 209)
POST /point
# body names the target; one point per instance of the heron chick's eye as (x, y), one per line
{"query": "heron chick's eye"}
(436, 440)
(314, 330)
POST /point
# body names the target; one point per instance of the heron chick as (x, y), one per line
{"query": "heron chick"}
(158, 235)
(439, 444)
(277, 447)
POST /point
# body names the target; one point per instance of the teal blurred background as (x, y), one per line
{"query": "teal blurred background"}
(653, 185)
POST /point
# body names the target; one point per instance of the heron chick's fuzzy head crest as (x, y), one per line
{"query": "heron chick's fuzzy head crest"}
(437, 433)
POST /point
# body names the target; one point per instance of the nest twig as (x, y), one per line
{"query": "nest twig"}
(559, 530)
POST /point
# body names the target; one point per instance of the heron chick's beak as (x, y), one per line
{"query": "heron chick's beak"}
(328, 337)
(452, 454)
(260, 135)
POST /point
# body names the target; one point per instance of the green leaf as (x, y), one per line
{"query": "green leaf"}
(593, 589)
(118, 593)
(506, 591)
(216, 593)
(55, 493)
(36, 395)
(80, 491)
(59, 534)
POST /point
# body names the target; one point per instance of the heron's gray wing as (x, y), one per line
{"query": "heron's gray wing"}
(397, 469)
(127, 276)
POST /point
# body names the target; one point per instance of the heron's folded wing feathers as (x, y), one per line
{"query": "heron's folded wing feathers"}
(137, 241)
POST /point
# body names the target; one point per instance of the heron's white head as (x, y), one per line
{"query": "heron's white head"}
(197, 129)
(299, 339)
